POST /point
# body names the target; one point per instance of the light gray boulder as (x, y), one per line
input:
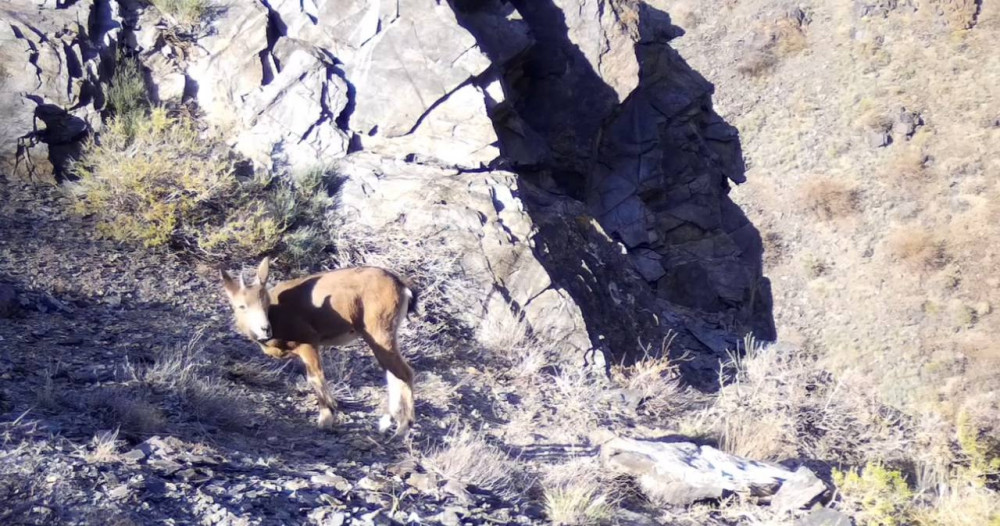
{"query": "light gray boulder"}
(681, 473)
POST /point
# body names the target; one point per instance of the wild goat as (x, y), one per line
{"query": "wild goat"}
(298, 316)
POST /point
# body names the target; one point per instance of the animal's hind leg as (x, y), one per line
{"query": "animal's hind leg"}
(399, 381)
(314, 373)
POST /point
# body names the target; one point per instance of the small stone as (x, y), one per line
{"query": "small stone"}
(165, 466)
(878, 138)
(448, 517)
(295, 485)
(361, 444)
(336, 481)
(119, 493)
(424, 482)
(187, 474)
(798, 491)
(824, 517)
(370, 484)
(403, 468)
(134, 455)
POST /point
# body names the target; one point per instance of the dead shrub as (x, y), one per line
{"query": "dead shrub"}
(909, 162)
(918, 248)
(774, 40)
(654, 379)
(828, 199)
(757, 63)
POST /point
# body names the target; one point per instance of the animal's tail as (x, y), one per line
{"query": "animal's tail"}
(413, 305)
(412, 294)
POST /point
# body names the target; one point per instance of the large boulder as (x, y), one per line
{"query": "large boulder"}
(682, 473)
(480, 218)
(295, 85)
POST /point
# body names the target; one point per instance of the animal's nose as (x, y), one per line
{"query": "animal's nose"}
(266, 331)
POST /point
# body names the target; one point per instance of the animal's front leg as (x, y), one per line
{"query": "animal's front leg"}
(275, 349)
(314, 373)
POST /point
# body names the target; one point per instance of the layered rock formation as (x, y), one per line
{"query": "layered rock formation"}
(52, 60)
(571, 126)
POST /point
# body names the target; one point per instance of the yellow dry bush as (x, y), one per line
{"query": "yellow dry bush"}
(879, 496)
(830, 198)
(157, 179)
(149, 176)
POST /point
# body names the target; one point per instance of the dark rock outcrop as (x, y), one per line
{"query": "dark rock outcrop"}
(52, 58)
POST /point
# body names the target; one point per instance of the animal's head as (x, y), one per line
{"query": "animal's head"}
(250, 303)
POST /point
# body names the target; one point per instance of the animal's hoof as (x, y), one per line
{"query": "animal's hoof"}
(401, 431)
(326, 419)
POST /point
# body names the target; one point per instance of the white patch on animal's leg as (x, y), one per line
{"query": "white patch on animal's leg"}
(384, 423)
(395, 388)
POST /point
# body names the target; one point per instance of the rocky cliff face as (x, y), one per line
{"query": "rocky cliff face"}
(573, 148)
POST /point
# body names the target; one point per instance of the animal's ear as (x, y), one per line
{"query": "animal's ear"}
(229, 283)
(263, 270)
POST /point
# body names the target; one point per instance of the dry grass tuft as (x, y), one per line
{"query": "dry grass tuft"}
(757, 63)
(579, 492)
(468, 458)
(654, 379)
(909, 163)
(133, 415)
(918, 248)
(184, 12)
(780, 404)
(103, 448)
(183, 372)
(964, 504)
(829, 199)
(959, 14)
(48, 398)
(776, 40)
(788, 36)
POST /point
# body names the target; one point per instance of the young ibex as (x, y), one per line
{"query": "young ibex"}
(298, 316)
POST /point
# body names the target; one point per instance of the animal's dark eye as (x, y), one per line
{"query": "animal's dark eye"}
(243, 307)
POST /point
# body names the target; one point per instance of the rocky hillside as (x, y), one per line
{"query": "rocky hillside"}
(554, 179)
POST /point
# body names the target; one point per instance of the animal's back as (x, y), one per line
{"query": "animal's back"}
(334, 302)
